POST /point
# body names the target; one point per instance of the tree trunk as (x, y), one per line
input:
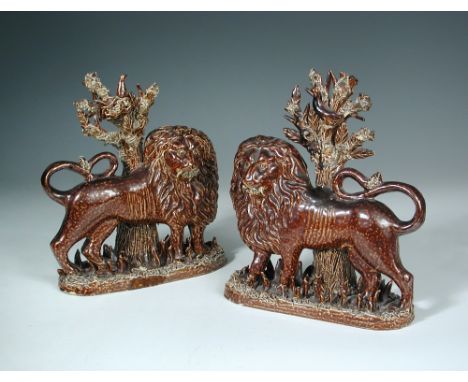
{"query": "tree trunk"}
(334, 276)
(136, 244)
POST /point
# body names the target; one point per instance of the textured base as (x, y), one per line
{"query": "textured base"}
(92, 284)
(239, 292)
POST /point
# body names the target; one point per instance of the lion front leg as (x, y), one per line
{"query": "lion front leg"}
(177, 238)
(290, 261)
(198, 243)
(257, 266)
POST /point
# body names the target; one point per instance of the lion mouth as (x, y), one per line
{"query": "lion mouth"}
(258, 191)
(187, 173)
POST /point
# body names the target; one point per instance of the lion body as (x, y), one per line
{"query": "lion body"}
(284, 214)
(153, 193)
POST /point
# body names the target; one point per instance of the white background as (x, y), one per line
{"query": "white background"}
(190, 325)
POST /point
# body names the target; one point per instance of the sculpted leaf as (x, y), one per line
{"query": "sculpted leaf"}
(293, 135)
(359, 137)
(361, 153)
(306, 115)
(374, 181)
(317, 84)
(296, 94)
(362, 103)
(341, 134)
(84, 164)
(292, 108)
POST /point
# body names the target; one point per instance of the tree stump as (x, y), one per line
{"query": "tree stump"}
(136, 244)
(333, 276)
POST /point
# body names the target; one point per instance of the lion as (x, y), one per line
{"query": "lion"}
(176, 185)
(279, 212)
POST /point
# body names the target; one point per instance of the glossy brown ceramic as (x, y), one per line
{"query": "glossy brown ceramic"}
(279, 212)
(169, 176)
(176, 186)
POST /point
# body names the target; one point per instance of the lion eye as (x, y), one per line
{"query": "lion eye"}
(263, 166)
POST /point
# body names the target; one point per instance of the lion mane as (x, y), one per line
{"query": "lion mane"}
(260, 220)
(198, 200)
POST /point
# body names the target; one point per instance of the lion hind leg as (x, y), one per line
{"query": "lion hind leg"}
(370, 277)
(393, 268)
(176, 238)
(60, 246)
(386, 259)
(404, 279)
(92, 249)
(65, 238)
(290, 262)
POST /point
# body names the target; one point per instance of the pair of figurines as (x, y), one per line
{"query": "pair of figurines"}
(171, 177)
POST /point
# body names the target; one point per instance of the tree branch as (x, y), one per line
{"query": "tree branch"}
(129, 113)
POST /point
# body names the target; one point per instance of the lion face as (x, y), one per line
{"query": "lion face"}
(269, 178)
(183, 172)
(183, 159)
(260, 171)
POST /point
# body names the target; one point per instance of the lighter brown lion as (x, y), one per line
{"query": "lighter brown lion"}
(280, 212)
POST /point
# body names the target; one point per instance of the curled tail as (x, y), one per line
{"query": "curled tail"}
(374, 186)
(62, 197)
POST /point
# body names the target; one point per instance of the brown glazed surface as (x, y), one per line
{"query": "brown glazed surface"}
(279, 212)
(237, 291)
(177, 185)
(92, 284)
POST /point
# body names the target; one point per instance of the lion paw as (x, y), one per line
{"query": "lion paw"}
(367, 301)
(179, 257)
(281, 289)
(69, 269)
(252, 280)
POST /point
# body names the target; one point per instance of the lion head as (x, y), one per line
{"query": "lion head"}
(184, 171)
(269, 177)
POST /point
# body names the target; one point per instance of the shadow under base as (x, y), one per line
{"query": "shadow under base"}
(237, 291)
(88, 284)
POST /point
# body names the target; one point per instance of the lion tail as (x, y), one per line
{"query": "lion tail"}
(371, 191)
(63, 197)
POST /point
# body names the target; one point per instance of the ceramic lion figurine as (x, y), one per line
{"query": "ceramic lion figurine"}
(279, 212)
(176, 185)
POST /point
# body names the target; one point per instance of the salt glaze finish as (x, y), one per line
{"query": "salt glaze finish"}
(177, 185)
(279, 212)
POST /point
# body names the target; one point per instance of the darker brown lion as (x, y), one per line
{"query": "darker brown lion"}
(279, 212)
(177, 186)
